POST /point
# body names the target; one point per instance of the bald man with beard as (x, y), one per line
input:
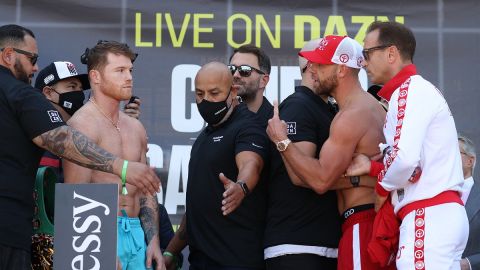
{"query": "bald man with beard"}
(225, 213)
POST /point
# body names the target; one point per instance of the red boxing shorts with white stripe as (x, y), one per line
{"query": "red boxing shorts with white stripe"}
(357, 232)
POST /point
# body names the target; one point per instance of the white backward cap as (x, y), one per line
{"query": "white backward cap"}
(58, 71)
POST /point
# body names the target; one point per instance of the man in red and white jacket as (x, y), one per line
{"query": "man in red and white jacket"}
(421, 167)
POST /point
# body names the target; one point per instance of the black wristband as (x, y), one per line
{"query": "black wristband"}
(355, 181)
(244, 187)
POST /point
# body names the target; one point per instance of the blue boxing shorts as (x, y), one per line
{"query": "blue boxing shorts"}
(131, 245)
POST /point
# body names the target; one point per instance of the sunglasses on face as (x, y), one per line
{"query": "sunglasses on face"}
(244, 70)
(32, 56)
(366, 52)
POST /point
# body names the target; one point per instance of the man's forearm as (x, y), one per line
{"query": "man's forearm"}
(297, 181)
(249, 172)
(72, 145)
(149, 217)
(308, 170)
(179, 240)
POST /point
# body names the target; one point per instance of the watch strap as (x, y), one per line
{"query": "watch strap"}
(244, 187)
(355, 181)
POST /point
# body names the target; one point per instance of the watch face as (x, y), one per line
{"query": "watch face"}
(281, 146)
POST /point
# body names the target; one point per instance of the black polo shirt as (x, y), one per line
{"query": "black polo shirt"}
(298, 215)
(234, 240)
(24, 114)
(265, 112)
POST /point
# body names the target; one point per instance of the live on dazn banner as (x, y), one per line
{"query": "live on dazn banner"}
(174, 38)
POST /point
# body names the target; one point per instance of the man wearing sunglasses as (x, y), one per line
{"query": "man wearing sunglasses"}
(421, 168)
(30, 123)
(356, 128)
(23, 71)
(250, 67)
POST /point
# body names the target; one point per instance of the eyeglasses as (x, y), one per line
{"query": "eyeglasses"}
(366, 52)
(32, 56)
(304, 68)
(244, 70)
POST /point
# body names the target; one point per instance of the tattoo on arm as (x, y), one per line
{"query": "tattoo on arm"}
(149, 217)
(70, 144)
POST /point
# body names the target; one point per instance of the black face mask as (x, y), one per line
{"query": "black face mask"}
(213, 112)
(70, 101)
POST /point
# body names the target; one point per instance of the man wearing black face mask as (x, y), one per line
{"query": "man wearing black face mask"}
(61, 84)
(224, 220)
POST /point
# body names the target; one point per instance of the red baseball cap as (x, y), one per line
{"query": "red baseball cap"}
(340, 50)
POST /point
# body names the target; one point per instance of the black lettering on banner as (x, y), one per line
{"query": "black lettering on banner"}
(85, 226)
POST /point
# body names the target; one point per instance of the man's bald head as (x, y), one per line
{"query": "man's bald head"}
(215, 72)
(214, 83)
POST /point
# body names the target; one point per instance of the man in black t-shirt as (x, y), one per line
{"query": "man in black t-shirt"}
(29, 123)
(303, 227)
(223, 221)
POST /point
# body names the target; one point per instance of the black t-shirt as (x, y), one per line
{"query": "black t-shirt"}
(25, 113)
(234, 240)
(265, 112)
(298, 215)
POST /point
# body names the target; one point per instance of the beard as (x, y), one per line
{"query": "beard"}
(247, 90)
(21, 74)
(114, 90)
(327, 85)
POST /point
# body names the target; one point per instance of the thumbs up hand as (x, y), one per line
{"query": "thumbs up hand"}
(277, 129)
(233, 195)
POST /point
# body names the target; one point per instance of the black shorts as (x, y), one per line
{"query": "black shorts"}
(301, 261)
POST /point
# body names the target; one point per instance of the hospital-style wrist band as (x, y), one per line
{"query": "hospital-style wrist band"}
(168, 254)
(124, 177)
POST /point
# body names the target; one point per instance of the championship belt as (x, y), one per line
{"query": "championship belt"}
(42, 239)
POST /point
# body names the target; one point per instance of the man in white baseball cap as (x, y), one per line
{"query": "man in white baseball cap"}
(63, 86)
